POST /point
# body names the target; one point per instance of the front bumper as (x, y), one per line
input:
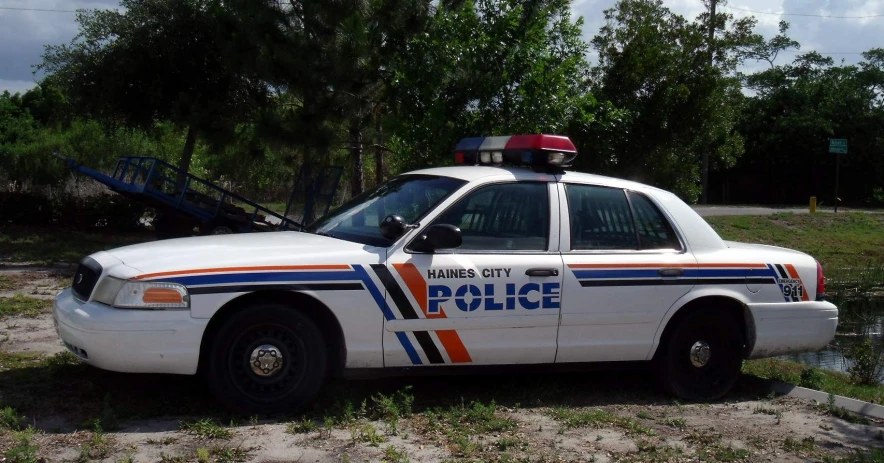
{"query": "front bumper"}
(787, 327)
(132, 341)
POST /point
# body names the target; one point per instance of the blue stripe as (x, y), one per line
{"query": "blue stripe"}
(409, 349)
(688, 273)
(388, 314)
(719, 272)
(263, 277)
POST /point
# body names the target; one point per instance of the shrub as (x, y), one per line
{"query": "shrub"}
(811, 378)
(867, 362)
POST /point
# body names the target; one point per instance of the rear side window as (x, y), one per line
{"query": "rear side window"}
(654, 231)
(600, 218)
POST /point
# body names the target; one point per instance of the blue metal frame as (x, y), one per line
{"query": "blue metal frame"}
(138, 175)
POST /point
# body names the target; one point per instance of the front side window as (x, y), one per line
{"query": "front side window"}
(502, 217)
(600, 218)
(410, 196)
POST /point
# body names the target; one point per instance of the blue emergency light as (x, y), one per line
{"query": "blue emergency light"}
(534, 150)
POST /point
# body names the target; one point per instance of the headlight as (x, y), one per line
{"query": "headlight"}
(127, 294)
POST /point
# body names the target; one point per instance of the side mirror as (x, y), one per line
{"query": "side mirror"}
(393, 227)
(439, 236)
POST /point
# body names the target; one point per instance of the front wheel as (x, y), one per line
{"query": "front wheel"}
(702, 357)
(267, 358)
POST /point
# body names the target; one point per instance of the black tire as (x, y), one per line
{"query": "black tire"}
(687, 376)
(216, 228)
(296, 379)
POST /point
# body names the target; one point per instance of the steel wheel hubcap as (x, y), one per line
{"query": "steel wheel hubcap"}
(700, 354)
(266, 360)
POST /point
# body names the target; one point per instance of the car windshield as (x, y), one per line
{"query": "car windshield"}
(409, 196)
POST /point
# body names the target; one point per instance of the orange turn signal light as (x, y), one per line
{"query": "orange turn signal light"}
(161, 296)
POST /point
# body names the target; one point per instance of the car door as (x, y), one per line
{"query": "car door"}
(625, 266)
(493, 300)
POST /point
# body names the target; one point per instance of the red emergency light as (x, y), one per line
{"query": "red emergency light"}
(536, 150)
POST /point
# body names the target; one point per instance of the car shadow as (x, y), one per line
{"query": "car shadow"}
(68, 395)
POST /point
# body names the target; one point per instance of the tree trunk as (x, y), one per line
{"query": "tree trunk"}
(356, 180)
(379, 152)
(186, 155)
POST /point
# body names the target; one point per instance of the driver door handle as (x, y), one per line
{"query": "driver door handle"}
(542, 272)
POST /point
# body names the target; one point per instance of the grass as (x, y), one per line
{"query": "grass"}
(23, 449)
(48, 246)
(850, 246)
(206, 428)
(570, 418)
(832, 382)
(10, 419)
(395, 455)
(7, 284)
(98, 447)
(366, 433)
(304, 426)
(23, 306)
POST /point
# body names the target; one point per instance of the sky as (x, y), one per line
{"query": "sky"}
(24, 33)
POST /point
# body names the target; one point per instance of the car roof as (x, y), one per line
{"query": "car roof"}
(472, 173)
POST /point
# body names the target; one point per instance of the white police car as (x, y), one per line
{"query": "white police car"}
(473, 265)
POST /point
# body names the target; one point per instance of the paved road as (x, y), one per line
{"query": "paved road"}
(709, 211)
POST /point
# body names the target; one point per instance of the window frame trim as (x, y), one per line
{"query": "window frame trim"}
(554, 229)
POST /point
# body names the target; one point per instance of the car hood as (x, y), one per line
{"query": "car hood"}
(241, 250)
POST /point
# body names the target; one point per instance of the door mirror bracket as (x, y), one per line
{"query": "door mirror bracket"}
(395, 226)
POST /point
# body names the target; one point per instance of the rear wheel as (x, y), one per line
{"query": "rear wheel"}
(702, 357)
(267, 358)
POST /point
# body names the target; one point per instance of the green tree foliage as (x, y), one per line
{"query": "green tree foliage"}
(796, 109)
(489, 67)
(679, 100)
(251, 90)
(158, 61)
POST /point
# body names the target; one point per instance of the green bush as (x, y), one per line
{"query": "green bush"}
(867, 362)
(811, 378)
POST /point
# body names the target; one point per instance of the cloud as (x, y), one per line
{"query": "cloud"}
(16, 86)
(23, 34)
(845, 38)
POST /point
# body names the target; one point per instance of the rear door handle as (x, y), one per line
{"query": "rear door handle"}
(542, 272)
(671, 272)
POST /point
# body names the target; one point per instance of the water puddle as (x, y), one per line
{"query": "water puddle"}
(858, 318)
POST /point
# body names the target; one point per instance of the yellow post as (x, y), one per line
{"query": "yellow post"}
(812, 204)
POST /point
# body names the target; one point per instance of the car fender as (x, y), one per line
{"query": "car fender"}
(698, 293)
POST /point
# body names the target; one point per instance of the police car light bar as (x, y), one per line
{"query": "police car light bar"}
(537, 150)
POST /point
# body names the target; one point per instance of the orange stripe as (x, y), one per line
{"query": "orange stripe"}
(243, 269)
(794, 274)
(451, 341)
(670, 264)
(457, 352)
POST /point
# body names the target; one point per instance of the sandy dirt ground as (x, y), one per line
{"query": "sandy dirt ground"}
(79, 413)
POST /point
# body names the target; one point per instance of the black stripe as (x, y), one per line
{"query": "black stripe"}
(408, 312)
(281, 287)
(677, 282)
(395, 291)
(781, 271)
